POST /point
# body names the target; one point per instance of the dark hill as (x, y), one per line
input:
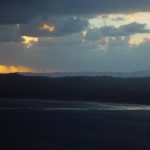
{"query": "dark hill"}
(108, 89)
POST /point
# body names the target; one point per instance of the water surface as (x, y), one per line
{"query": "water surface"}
(62, 125)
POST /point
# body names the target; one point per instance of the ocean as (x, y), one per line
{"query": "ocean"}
(73, 125)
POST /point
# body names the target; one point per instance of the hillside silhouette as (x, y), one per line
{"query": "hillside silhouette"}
(106, 89)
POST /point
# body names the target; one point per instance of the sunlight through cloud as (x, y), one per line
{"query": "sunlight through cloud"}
(13, 69)
(29, 41)
(138, 39)
(48, 27)
(24, 69)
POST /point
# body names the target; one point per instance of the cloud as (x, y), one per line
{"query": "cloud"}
(124, 30)
(134, 27)
(69, 53)
(112, 31)
(22, 68)
(39, 27)
(29, 41)
(48, 27)
(13, 69)
(58, 26)
(137, 40)
(59, 35)
(20, 11)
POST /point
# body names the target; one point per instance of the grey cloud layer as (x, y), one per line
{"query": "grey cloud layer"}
(64, 26)
(77, 56)
(70, 50)
(21, 11)
(123, 30)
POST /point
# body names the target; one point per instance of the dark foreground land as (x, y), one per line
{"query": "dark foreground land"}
(33, 129)
(28, 125)
(107, 89)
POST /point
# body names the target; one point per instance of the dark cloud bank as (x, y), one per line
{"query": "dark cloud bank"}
(20, 11)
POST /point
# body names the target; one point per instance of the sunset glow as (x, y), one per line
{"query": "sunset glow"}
(119, 19)
(48, 27)
(13, 69)
(23, 69)
(136, 40)
(29, 41)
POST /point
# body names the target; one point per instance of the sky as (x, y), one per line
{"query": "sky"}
(74, 35)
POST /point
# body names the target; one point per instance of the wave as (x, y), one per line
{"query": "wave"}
(75, 106)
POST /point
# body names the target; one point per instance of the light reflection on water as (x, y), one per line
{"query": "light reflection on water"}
(67, 106)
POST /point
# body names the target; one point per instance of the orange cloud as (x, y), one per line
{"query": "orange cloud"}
(13, 69)
(48, 27)
(23, 69)
(29, 41)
